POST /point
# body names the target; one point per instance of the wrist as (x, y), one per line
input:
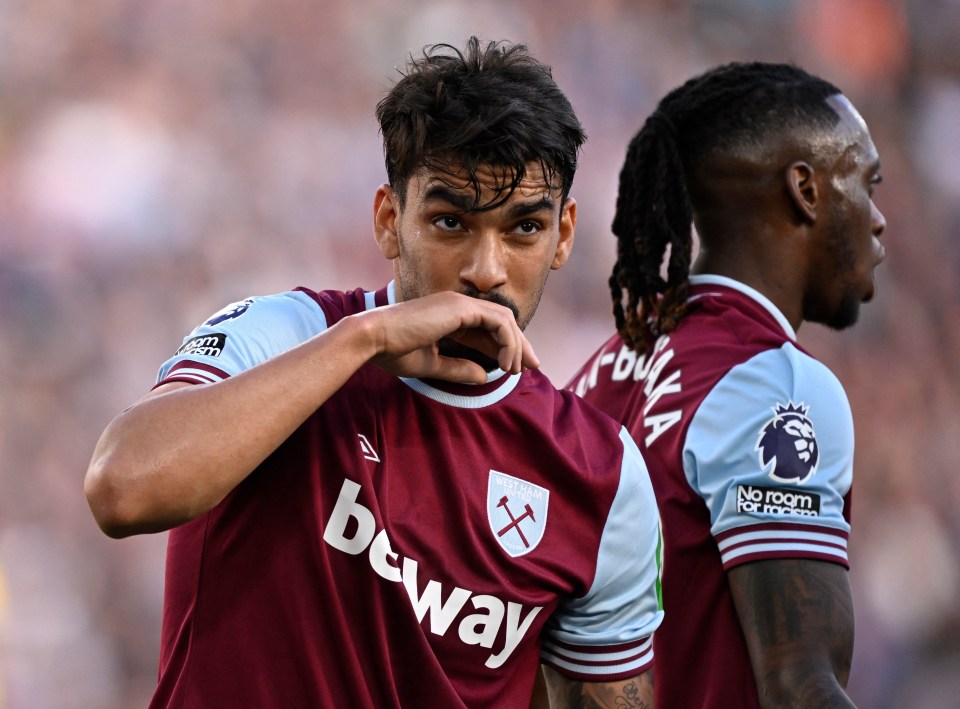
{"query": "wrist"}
(363, 334)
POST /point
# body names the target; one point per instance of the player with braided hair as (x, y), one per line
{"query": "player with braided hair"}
(748, 437)
(720, 111)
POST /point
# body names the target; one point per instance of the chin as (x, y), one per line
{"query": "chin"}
(845, 316)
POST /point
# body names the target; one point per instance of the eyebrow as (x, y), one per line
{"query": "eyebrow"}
(467, 203)
(544, 204)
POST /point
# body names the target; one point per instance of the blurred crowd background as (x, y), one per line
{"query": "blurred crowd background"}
(162, 158)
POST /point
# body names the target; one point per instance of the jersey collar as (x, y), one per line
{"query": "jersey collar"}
(710, 279)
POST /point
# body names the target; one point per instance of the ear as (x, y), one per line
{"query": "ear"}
(802, 188)
(385, 213)
(568, 225)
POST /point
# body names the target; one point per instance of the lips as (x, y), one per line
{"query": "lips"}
(871, 291)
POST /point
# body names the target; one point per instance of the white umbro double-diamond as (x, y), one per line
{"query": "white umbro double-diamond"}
(367, 448)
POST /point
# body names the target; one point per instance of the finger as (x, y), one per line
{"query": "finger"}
(511, 357)
(528, 358)
(508, 337)
(507, 356)
(482, 341)
(515, 350)
(506, 342)
(461, 371)
(491, 329)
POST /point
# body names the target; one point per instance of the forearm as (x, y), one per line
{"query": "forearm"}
(788, 679)
(176, 454)
(567, 693)
(817, 689)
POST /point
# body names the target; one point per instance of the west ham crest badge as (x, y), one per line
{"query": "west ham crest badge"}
(517, 511)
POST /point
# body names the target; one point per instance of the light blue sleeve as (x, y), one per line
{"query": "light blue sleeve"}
(606, 634)
(244, 334)
(770, 451)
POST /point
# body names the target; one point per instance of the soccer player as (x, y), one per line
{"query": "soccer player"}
(375, 498)
(748, 437)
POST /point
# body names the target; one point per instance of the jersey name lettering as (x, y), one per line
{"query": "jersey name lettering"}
(480, 628)
(647, 368)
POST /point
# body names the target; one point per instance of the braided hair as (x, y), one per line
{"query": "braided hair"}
(730, 107)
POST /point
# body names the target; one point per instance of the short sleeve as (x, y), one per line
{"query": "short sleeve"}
(606, 635)
(770, 451)
(243, 335)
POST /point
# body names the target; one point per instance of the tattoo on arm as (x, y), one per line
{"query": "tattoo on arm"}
(630, 698)
(566, 693)
(797, 618)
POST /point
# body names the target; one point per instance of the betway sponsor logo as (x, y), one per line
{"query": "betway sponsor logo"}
(479, 628)
(777, 500)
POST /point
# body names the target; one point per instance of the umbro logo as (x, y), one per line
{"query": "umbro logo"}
(367, 449)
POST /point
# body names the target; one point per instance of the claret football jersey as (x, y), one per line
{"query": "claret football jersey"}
(413, 543)
(749, 442)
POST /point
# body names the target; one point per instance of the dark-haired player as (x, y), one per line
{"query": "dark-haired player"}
(374, 498)
(748, 437)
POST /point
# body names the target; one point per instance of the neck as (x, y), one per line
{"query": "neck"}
(772, 277)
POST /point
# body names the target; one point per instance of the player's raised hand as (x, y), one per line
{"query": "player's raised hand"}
(408, 334)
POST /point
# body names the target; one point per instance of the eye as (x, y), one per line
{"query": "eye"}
(448, 222)
(874, 181)
(528, 228)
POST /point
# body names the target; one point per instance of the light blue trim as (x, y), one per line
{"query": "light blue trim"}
(466, 402)
(622, 605)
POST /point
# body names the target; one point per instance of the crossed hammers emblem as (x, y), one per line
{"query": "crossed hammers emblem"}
(515, 521)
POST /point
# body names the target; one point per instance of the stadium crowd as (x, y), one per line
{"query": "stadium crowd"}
(231, 149)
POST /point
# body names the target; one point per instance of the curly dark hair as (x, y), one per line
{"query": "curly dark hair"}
(488, 105)
(730, 107)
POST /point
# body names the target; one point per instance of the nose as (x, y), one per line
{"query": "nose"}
(484, 267)
(878, 221)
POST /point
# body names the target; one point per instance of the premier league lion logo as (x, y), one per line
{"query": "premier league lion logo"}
(788, 444)
(234, 310)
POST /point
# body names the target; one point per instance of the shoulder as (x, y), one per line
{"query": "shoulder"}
(772, 394)
(567, 409)
(292, 314)
(300, 312)
(244, 334)
(784, 374)
(587, 377)
(339, 304)
(590, 440)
